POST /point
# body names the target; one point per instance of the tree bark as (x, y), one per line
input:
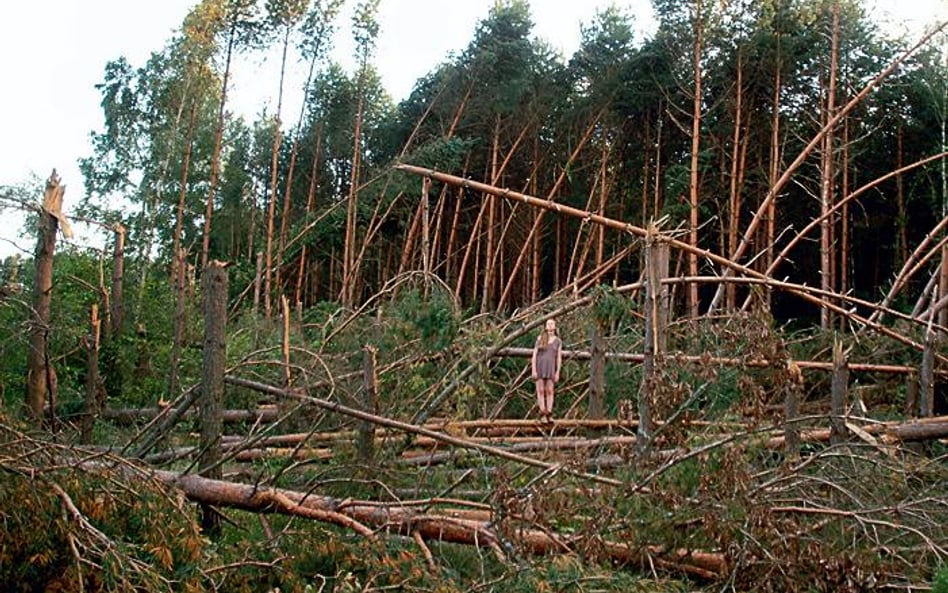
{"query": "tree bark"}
(698, 26)
(656, 255)
(180, 321)
(271, 216)
(93, 403)
(366, 438)
(776, 188)
(526, 248)
(735, 205)
(414, 429)
(827, 174)
(901, 218)
(889, 432)
(492, 216)
(773, 170)
(287, 316)
(218, 146)
(212, 383)
(926, 377)
(838, 389)
(349, 261)
(182, 195)
(41, 380)
(844, 228)
(731, 266)
(262, 414)
(304, 267)
(791, 429)
(117, 304)
(597, 371)
(943, 291)
(911, 396)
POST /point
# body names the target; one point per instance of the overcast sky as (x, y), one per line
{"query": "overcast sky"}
(54, 53)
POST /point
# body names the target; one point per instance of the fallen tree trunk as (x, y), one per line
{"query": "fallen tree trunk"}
(537, 442)
(244, 455)
(919, 429)
(426, 451)
(133, 415)
(572, 444)
(634, 357)
(367, 518)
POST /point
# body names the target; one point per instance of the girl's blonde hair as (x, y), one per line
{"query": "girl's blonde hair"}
(544, 339)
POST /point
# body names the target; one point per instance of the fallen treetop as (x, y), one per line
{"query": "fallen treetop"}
(446, 524)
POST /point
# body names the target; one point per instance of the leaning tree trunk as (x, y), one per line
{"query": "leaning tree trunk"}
(492, 216)
(773, 169)
(844, 242)
(349, 258)
(218, 147)
(180, 321)
(534, 229)
(827, 175)
(182, 195)
(40, 375)
(117, 302)
(692, 300)
(777, 186)
(269, 280)
(305, 270)
(734, 218)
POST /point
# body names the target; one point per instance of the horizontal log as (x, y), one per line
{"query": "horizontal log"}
(918, 429)
(134, 415)
(718, 361)
(427, 457)
(459, 525)
(299, 454)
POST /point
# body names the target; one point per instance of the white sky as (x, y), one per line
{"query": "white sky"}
(54, 53)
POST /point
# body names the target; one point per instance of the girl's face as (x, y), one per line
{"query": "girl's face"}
(551, 326)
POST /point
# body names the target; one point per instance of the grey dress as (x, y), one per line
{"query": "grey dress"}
(547, 357)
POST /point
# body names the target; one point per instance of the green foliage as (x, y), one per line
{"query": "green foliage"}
(440, 154)
(13, 349)
(610, 308)
(501, 52)
(940, 580)
(81, 530)
(433, 318)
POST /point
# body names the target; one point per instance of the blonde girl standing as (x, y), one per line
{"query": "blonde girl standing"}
(545, 367)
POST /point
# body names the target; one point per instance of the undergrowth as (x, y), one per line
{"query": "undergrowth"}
(715, 504)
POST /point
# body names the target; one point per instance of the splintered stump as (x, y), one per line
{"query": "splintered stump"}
(41, 380)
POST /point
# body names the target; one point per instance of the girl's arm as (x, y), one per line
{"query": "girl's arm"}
(533, 363)
(559, 360)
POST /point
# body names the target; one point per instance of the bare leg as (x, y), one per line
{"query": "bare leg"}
(541, 399)
(548, 397)
(545, 397)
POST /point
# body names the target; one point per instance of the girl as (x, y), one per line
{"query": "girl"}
(546, 361)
